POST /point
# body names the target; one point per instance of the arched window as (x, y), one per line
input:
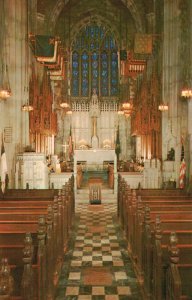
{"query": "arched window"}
(94, 63)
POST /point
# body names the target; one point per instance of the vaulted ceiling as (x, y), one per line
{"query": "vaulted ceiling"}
(123, 17)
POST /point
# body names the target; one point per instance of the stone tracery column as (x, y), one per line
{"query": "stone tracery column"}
(18, 69)
(190, 101)
(171, 129)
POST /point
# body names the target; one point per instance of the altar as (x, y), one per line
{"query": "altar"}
(95, 159)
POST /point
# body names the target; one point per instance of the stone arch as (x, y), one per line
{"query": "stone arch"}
(99, 21)
(130, 4)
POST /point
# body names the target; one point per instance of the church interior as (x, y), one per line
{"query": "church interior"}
(96, 149)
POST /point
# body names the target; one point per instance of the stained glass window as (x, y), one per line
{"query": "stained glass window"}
(94, 63)
(84, 74)
(75, 74)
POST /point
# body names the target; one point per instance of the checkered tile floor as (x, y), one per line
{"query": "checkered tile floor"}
(97, 265)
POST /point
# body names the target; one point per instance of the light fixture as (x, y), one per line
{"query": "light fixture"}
(5, 90)
(163, 107)
(186, 92)
(135, 133)
(120, 112)
(69, 112)
(64, 104)
(127, 108)
(27, 107)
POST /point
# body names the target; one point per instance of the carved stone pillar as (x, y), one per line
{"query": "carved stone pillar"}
(171, 128)
(17, 59)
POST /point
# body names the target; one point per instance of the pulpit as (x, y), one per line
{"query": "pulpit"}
(31, 171)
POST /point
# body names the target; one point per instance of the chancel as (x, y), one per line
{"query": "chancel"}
(96, 149)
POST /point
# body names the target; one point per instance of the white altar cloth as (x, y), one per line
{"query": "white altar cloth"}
(95, 156)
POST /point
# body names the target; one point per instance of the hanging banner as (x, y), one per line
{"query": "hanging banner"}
(45, 48)
(42, 45)
(132, 67)
(143, 43)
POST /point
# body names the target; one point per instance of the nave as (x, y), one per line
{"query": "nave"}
(97, 265)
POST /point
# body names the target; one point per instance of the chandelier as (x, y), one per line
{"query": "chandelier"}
(5, 90)
(127, 108)
(64, 104)
(120, 112)
(163, 107)
(69, 112)
(186, 92)
(27, 107)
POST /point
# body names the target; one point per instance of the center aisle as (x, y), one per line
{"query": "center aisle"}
(97, 265)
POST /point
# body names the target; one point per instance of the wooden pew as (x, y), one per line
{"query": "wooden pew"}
(58, 224)
(176, 215)
(125, 198)
(154, 259)
(160, 192)
(15, 243)
(134, 216)
(29, 193)
(166, 255)
(25, 202)
(12, 231)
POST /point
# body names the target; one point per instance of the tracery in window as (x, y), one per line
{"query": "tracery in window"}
(94, 63)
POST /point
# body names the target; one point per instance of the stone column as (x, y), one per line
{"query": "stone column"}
(17, 57)
(171, 120)
(190, 101)
(190, 134)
